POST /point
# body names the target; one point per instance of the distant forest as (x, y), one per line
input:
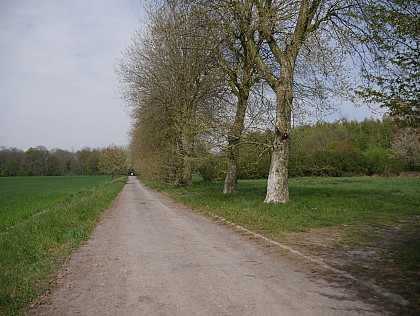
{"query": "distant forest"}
(342, 148)
(39, 161)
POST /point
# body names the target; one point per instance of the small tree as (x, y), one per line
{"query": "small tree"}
(406, 147)
(113, 161)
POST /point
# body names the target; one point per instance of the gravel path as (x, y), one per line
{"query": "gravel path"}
(151, 256)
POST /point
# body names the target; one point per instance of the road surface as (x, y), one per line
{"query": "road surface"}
(151, 256)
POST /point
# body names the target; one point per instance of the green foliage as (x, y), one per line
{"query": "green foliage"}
(343, 149)
(378, 161)
(370, 147)
(393, 33)
(85, 162)
(33, 249)
(10, 161)
(212, 168)
(35, 161)
(338, 164)
(113, 161)
(39, 161)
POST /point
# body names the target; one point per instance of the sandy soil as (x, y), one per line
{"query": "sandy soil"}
(151, 256)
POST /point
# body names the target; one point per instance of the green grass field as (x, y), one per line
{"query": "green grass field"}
(43, 219)
(315, 202)
(333, 218)
(22, 197)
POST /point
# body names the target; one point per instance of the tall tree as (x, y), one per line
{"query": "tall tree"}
(170, 72)
(64, 158)
(292, 30)
(284, 26)
(86, 161)
(229, 31)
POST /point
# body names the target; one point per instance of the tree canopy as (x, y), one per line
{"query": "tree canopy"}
(192, 78)
(393, 79)
(39, 161)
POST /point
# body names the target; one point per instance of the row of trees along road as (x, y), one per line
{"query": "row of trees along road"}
(206, 71)
(39, 161)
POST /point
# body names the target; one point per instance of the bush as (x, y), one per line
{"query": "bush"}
(212, 168)
(254, 166)
(378, 161)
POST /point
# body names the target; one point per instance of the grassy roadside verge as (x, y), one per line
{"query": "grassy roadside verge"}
(32, 251)
(366, 226)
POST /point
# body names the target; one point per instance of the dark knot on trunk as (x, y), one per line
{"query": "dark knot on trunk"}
(281, 135)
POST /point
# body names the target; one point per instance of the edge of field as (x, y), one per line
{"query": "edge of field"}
(33, 251)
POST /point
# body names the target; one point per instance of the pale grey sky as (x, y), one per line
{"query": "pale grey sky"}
(57, 82)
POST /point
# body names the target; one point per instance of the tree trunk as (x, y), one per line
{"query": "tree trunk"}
(231, 179)
(277, 185)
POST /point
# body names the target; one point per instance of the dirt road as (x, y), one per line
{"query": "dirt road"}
(150, 256)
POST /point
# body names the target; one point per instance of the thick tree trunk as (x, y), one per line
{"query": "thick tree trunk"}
(277, 185)
(236, 131)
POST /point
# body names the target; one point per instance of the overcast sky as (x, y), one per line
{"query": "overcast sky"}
(57, 82)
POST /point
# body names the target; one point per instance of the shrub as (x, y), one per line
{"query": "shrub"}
(378, 161)
(212, 168)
